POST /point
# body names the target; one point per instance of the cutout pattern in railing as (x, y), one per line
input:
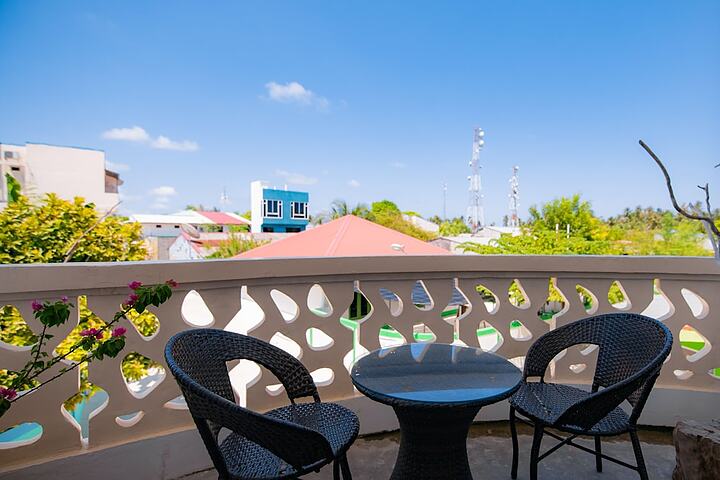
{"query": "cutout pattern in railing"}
(329, 322)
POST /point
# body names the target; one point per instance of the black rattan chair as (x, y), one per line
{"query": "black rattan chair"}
(631, 352)
(283, 443)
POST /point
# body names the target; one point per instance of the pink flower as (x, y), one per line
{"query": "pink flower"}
(172, 283)
(92, 332)
(8, 393)
(134, 285)
(37, 306)
(119, 332)
(131, 299)
(64, 299)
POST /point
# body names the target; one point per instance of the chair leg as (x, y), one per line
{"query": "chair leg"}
(535, 451)
(638, 455)
(598, 452)
(345, 468)
(336, 469)
(513, 433)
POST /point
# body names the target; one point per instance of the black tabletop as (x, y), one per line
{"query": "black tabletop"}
(435, 374)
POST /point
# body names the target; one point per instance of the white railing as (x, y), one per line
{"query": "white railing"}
(301, 305)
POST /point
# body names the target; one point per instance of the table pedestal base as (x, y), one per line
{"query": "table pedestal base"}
(433, 443)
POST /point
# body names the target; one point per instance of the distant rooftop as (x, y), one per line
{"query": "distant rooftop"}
(348, 236)
(192, 217)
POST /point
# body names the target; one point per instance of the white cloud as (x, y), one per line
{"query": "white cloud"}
(164, 143)
(117, 167)
(296, 178)
(132, 134)
(353, 183)
(140, 135)
(398, 164)
(163, 191)
(294, 92)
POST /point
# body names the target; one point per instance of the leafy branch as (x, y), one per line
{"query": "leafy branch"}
(53, 314)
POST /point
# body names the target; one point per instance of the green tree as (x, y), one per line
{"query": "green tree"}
(46, 232)
(339, 208)
(454, 227)
(235, 245)
(573, 211)
(13, 188)
(543, 242)
(387, 214)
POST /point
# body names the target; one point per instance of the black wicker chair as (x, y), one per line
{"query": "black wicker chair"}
(283, 443)
(631, 352)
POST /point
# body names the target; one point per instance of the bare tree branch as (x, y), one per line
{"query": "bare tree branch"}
(709, 222)
(706, 189)
(76, 243)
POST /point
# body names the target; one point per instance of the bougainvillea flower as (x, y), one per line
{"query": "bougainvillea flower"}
(8, 393)
(171, 283)
(119, 332)
(134, 285)
(92, 332)
(36, 306)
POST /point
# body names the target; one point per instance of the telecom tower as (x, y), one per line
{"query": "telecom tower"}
(475, 213)
(513, 218)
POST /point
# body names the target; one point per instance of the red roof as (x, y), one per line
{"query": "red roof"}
(348, 236)
(222, 218)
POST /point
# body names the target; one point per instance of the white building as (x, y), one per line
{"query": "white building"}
(68, 172)
(485, 236)
(161, 231)
(420, 222)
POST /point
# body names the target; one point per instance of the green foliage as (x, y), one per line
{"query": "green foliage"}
(90, 340)
(564, 211)
(387, 214)
(146, 323)
(235, 245)
(13, 188)
(45, 232)
(412, 213)
(634, 232)
(385, 207)
(543, 243)
(13, 329)
(136, 366)
(454, 227)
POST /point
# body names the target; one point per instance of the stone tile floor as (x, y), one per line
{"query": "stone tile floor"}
(490, 451)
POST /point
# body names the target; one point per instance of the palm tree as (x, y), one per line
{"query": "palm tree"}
(338, 209)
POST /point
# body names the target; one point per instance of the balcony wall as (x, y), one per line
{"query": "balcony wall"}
(243, 296)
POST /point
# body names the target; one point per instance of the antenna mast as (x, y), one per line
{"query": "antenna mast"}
(513, 218)
(224, 198)
(475, 213)
(444, 211)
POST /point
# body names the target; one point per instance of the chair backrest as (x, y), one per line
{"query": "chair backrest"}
(198, 361)
(631, 352)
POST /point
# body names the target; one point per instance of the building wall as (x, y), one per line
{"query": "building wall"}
(161, 229)
(67, 171)
(182, 250)
(285, 196)
(256, 198)
(259, 192)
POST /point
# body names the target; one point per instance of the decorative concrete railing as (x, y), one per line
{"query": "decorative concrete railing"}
(302, 305)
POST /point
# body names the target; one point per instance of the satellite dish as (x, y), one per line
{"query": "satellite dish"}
(190, 230)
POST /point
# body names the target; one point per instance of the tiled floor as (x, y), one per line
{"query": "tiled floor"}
(490, 452)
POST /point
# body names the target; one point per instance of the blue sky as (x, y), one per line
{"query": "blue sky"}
(371, 100)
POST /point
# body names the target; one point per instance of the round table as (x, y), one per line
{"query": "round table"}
(436, 391)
